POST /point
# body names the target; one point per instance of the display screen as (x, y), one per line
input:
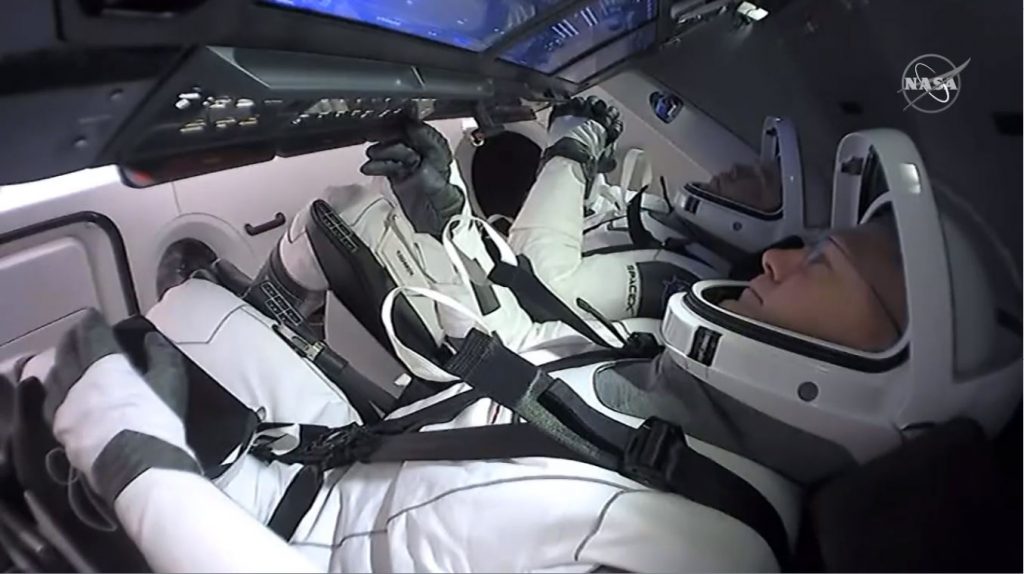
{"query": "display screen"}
(597, 25)
(468, 24)
(611, 54)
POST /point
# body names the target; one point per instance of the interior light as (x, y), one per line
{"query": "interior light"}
(751, 11)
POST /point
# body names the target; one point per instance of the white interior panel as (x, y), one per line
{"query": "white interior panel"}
(255, 194)
(55, 276)
(36, 341)
(138, 214)
(49, 278)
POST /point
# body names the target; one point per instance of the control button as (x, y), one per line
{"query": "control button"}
(322, 107)
(274, 102)
(182, 104)
(190, 96)
(219, 109)
(244, 103)
(197, 127)
(339, 105)
(248, 123)
(225, 123)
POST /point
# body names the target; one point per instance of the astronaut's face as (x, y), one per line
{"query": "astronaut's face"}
(755, 186)
(842, 290)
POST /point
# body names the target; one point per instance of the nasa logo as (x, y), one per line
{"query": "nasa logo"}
(931, 83)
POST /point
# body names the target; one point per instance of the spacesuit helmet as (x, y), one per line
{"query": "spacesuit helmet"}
(957, 353)
(754, 204)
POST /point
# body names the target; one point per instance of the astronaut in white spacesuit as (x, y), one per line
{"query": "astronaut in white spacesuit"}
(741, 374)
(549, 229)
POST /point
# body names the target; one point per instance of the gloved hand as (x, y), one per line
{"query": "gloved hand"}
(584, 131)
(113, 422)
(418, 167)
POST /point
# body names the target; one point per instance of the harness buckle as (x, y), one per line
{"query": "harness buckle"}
(649, 455)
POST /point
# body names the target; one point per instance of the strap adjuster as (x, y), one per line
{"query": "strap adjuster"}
(333, 448)
(648, 456)
(642, 345)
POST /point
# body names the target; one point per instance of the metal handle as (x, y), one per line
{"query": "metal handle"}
(266, 226)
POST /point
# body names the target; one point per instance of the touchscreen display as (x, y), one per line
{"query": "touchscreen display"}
(468, 24)
(611, 54)
(597, 25)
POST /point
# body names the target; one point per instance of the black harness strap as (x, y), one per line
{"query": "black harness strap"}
(542, 305)
(582, 360)
(656, 454)
(298, 498)
(537, 300)
(638, 234)
(642, 239)
(359, 280)
(494, 442)
(322, 448)
(559, 424)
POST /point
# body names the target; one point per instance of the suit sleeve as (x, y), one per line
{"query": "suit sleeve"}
(181, 522)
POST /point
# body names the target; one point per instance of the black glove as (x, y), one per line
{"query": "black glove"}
(585, 131)
(591, 108)
(418, 166)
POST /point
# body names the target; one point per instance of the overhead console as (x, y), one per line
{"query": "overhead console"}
(170, 89)
(225, 107)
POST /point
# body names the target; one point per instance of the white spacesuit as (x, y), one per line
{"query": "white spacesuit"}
(768, 405)
(549, 229)
(361, 241)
